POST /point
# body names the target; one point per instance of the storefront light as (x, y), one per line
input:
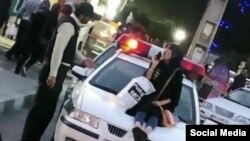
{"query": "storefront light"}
(110, 14)
(112, 7)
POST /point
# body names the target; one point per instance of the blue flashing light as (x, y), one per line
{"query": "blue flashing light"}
(215, 45)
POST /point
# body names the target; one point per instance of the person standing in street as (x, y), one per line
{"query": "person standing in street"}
(59, 59)
(34, 49)
(4, 11)
(23, 34)
(239, 80)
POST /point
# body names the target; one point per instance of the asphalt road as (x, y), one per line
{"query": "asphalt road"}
(11, 124)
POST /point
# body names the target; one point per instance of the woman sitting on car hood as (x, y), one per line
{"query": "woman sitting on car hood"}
(148, 109)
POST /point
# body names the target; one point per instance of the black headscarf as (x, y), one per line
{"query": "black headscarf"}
(177, 55)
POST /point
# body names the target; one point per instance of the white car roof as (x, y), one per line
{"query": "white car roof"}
(143, 62)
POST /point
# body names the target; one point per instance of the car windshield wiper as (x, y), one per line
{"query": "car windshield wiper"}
(104, 88)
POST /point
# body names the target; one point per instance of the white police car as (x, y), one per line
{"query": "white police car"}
(93, 113)
(233, 109)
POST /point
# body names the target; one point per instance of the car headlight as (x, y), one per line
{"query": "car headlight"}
(243, 120)
(207, 105)
(85, 118)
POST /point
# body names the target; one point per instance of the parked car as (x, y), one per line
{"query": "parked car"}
(234, 108)
(92, 111)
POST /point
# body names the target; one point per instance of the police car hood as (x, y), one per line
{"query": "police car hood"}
(104, 105)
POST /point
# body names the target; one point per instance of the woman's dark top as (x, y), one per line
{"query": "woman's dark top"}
(159, 78)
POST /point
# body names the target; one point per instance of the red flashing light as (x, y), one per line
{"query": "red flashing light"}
(132, 43)
(135, 46)
(129, 45)
(191, 67)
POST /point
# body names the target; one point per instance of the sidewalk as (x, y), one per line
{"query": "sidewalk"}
(16, 92)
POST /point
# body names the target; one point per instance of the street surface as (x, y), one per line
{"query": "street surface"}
(11, 124)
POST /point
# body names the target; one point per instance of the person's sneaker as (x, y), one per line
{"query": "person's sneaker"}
(23, 71)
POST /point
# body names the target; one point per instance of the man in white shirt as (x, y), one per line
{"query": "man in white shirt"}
(60, 58)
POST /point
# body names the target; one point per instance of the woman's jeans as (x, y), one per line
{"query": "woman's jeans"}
(152, 121)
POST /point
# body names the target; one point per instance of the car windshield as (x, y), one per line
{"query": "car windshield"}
(186, 107)
(120, 72)
(105, 55)
(241, 97)
(115, 76)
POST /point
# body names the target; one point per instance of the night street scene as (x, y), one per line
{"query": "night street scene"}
(124, 70)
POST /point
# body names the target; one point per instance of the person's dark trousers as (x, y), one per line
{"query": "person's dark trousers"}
(1, 139)
(24, 57)
(34, 58)
(37, 53)
(31, 56)
(4, 11)
(21, 39)
(45, 104)
(3, 20)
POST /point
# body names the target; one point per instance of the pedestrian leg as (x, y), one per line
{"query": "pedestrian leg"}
(1, 139)
(15, 49)
(45, 104)
(21, 61)
(34, 58)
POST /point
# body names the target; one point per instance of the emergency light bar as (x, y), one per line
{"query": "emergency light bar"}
(136, 46)
(190, 66)
(141, 48)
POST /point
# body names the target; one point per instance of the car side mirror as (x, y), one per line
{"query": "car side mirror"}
(81, 73)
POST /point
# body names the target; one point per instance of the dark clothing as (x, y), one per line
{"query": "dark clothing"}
(36, 46)
(160, 76)
(45, 104)
(239, 81)
(22, 39)
(46, 99)
(1, 139)
(29, 55)
(52, 22)
(4, 11)
(69, 52)
(38, 24)
(48, 30)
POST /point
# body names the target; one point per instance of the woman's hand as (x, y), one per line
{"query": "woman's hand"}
(156, 103)
(151, 70)
(155, 62)
(160, 103)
